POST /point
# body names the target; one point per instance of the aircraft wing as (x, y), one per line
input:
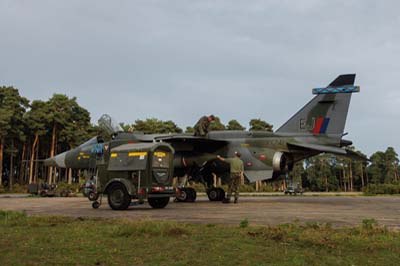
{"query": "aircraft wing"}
(327, 149)
(193, 143)
(355, 156)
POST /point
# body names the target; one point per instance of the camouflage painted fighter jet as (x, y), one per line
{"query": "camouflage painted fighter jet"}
(317, 128)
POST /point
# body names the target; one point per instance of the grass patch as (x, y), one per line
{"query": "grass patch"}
(150, 229)
(244, 223)
(85, 241)
(8, 218)
(17, 189)
(382, 189)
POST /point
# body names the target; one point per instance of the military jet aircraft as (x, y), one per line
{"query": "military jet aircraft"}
(316, 128)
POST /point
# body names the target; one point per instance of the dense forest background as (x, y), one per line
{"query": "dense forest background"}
(31, 131)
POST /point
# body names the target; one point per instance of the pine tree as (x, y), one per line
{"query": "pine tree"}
(234, 125)
(258, 124)
(36, 119)
(154, 125)
(12, 109)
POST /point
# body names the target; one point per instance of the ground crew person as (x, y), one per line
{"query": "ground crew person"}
(202, 126)
(236, 169)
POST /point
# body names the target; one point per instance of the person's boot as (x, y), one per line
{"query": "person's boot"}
(226, 200)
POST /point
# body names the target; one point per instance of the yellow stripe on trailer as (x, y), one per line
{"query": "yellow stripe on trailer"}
(136, 154)
(114, 155)
(160, 154)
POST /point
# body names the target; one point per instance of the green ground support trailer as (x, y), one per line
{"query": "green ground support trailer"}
(131, 173)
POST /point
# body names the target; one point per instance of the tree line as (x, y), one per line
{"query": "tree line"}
(31, 131)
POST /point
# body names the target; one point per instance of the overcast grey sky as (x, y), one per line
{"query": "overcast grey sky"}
(179, 60)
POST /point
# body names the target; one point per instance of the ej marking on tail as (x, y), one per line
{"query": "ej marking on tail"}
(317, 125)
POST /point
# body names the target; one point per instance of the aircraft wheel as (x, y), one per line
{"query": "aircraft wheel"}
(95, 205)
(192, 195)
(221, 192)
(183, 195)
(213, 194)
(158, 203)
(93, 196)
(118, 197)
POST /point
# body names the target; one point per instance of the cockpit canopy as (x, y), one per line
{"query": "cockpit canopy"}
(109, 124)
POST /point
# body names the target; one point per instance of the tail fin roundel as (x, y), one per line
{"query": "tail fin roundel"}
(326, 113)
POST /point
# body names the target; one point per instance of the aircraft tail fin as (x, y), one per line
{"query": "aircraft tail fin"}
(326, 113)
(343, 80)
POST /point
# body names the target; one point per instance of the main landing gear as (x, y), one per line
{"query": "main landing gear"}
(186, 194)
(216, 194)
(205, 175)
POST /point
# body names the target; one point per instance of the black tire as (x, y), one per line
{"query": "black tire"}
(43, 193)
(213, 194)
(158, 203)
(95, 205)
(192, 194)
(118, 197)
(183, 195)
(221, 192)
(93, 196)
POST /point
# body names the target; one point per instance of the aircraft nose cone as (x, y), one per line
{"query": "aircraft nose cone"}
(57, 161)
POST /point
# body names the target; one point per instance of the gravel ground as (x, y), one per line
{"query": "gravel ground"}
(272, 210)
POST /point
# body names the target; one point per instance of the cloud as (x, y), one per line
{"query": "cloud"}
(179, 60)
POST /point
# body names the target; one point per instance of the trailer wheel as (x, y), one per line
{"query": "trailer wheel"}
(183, 195)
(192, 195)
(158, 203)
(213, 194)
(93, 196)
(221, 192)
(95, 205)
(118, 197)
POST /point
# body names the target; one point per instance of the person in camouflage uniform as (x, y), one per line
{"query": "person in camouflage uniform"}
(202, 126)
(236, 169)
